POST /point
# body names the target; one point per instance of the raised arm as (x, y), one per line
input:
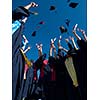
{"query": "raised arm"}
(74, 32)
(28, 48)
(50, 52)
(52, 48)
(39, 47)
(59, 45)
(83, 33)
(68, 43)
(73, 42)
(24, 42)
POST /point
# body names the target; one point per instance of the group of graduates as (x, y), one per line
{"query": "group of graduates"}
(63, 76)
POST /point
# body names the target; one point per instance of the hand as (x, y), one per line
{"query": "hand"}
(39, 46)
(60, 47)
(71, 38)
(33, 4)
(29, 48)
(83, 32)
(67, 40)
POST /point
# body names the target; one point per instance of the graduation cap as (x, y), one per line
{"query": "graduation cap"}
(42, 22)
(34, 33)
(73, 5)
(67, 22)
(63, 29)
(52, 8)
(19, 13)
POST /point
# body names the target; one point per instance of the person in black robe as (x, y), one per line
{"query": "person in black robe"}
(22, 11)
(51, 75)
(61, 75)
(17, 63)
(72, 54)
(65, 88)
(82, 62)
(17, 58)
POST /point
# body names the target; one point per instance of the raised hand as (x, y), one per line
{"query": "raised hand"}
(67, 40)
(52, 43)
(33, 4)
(39, 46)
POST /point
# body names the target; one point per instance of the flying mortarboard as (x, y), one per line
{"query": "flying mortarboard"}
(42, 22)
(73, 5)
(52, 8)
(63, 29)
(67, 22)
(34, 33)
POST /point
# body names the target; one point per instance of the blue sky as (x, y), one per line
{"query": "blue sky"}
(52, 21)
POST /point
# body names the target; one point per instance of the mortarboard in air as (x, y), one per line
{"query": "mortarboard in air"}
(42, 22)
(34, 33)
(52, 8)
(73, 5)
(67, 22)
(63, 29)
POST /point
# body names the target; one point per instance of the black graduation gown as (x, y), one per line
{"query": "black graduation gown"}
(17, 63)
(62, 78)
(50, 81)
(29, 84)
(67, 91)
(38, 90)
(82, 63)
(77, 94)
(74, 91)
